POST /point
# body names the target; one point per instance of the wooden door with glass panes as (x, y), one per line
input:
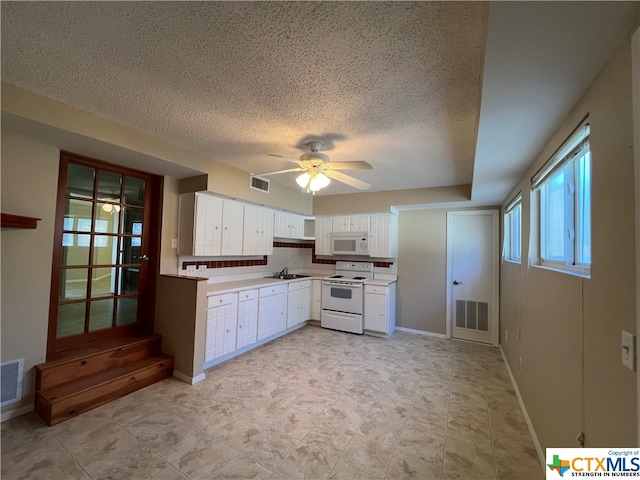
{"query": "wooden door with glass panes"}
(105, 253)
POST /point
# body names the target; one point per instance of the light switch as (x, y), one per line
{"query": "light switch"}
(628, 350)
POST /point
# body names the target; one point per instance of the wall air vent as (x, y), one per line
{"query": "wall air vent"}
(472, 314)
(11, 379)
(259, 183)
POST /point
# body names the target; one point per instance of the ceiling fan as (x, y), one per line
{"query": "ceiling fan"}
(318, 170)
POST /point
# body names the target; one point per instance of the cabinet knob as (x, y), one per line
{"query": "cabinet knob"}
(220, 300)
(227, 330)
(239, 326)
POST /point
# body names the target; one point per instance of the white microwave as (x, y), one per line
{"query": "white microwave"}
(350, 243)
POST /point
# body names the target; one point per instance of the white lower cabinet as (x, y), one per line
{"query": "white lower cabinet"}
(247, 331)
(299, 302)
(380, 308)
(222, 314)
(272, 310)
(316, 299)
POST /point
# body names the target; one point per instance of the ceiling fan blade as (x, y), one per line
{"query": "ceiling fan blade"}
(356, 165)
(341, 177)
(278, 171)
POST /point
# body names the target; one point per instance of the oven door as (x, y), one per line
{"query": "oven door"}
(342, 298)
(346, 322)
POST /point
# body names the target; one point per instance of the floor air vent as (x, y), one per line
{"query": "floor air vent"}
(11, 379)
(258, 183)
(472, 315)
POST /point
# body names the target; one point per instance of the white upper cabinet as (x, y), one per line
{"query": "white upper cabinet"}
(200, 231)
(383, 236)
(322, 235)
(258, 231)
(351, 223)
(288, 225)
(232, 227)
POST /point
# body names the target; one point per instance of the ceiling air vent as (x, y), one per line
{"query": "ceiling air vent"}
(258, 183)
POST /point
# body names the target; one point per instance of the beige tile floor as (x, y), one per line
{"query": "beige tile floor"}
(313, 404)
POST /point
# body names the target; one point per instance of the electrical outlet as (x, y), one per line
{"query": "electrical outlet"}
(520, 363)
(506, 334)
(202, 269)
(628, 348)
(191, 270)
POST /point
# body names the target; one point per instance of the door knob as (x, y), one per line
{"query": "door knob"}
(145, 257)
(456, 282)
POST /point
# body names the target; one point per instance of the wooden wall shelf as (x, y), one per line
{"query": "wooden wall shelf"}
(18, 221)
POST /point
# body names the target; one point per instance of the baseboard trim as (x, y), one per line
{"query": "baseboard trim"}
(532, 431)
(421, 332)
(187, 378)
(16, 413)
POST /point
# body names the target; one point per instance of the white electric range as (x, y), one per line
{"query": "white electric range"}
(343, 297)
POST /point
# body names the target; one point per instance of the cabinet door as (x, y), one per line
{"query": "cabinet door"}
(305, 305)
(375, 312)
(232, 227)
(247, 333)
(380, 239)
(359, 223)
(322, 231)
(208, 220)
(293, 308)
(340, 224)
(221, 325)
(257, 231)
(316, 302)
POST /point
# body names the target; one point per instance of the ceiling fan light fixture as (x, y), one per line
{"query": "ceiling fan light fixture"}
(318, 182)
(303, 180)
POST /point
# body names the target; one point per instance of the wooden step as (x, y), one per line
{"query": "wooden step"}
(95, 358)
(72, 398)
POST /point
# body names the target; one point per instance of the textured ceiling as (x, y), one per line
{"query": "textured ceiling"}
(397, 84)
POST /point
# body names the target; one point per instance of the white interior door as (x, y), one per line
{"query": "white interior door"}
(472, 276)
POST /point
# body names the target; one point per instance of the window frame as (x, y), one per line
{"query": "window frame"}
(566, 161)
(513, 228)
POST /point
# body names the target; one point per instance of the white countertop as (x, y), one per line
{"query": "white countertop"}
(382, 282)
(247, 284)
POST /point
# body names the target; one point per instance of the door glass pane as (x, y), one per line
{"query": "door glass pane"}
(134, 191)
(73, 283)
(130, 250)
(128, 280)
(70, 319)
(78, 214)
(107, 218)
(127, 310)
(74, 253)
(133, 218)
(104, 249)
(101, 314)
(109, 185)
(103, 281)
(80, 181)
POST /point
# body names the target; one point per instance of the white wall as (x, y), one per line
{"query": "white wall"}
(29, 178)
(572, 378)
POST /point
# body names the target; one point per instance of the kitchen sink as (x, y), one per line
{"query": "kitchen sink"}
(289, 276)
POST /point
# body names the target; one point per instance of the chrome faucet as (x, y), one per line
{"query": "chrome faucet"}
(283, 272)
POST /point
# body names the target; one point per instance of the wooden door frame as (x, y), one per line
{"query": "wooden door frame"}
(153, 198)
(495, 310)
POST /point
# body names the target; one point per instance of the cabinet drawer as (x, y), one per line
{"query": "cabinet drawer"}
(273, 290)
(246, 295)
(375, 289)
(299, 285)
(219, 300)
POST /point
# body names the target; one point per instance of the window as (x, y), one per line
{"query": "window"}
(563, 188)
(512, 230)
